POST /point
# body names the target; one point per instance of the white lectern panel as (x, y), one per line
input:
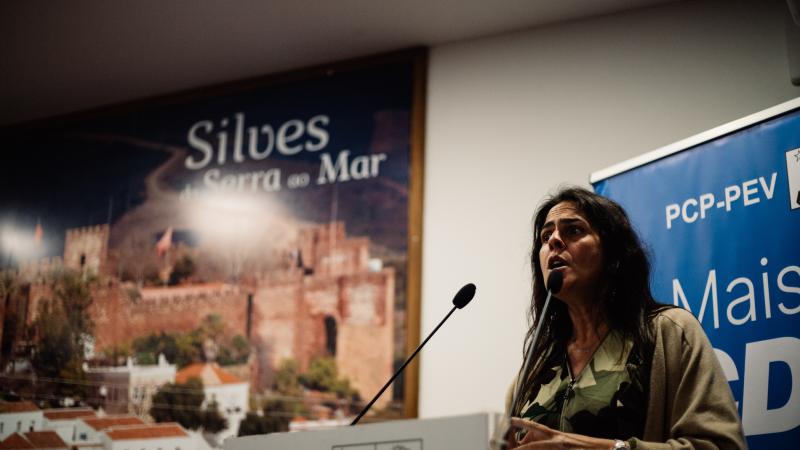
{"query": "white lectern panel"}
(470, 432)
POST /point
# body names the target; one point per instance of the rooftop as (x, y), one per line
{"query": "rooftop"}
(147, 432)
(101, 423)
(15, 442)
(68, 413)
(209, 373)
(45, 439)
(12, 407)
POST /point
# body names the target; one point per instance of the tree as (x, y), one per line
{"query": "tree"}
(186, 348)
(211, 420)
(323, 375)
(179, 403)
(255, 424)
(275, 417)
(61, 329)
(74, 294)
(116, 353)
(11, 323)
(235, 352)
(286, 378)
(183, 403)
(147, 348)
(58, 355)
(212, 327)
(189, 349)
(183, 269)
(226, 351)
(8, 284)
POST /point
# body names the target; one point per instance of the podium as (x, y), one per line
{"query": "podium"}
(468, 432)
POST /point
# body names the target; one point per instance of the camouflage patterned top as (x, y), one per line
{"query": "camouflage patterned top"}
(606, 400)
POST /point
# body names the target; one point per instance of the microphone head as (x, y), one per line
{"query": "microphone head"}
(464, 295)
(554, 281)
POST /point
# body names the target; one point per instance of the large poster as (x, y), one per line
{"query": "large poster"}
(721, 215)
(248, 243)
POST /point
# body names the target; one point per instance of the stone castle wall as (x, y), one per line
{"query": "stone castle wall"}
(291, 318)
(122, 312)
(329, 279)
(39, 270)
(365, 351)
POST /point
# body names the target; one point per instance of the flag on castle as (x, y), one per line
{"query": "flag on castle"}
(37, 234)
(165, 243)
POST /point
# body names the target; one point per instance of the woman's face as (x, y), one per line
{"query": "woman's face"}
(571, 246)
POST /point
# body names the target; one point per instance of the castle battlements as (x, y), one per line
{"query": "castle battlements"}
(187, 293)
(91, 230)
(37, 271)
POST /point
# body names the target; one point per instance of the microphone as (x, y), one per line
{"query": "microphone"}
(461, 299)
(463, 296)
(554, 283)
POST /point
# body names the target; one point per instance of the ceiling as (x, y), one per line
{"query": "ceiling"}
(64, 56)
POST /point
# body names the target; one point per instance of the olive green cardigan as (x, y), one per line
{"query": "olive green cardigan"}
(690, 406)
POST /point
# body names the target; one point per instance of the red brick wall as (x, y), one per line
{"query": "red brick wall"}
(120, 318)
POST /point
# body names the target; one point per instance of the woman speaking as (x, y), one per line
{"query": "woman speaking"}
(610, 367)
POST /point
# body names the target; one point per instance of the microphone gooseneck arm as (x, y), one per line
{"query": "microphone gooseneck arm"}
(529, 353)
(461, 299)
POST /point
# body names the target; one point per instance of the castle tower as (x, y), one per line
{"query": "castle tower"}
(338, 306)
(86, 249)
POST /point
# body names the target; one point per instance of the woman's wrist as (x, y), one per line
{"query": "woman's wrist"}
(588, 442)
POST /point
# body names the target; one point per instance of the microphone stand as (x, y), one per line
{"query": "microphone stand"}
(463, 296)
(556, 286)
(385, 386)
(529, 352)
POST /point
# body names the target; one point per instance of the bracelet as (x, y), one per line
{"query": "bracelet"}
(620, 445)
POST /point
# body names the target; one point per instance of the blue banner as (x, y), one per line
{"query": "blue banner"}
(722, 223)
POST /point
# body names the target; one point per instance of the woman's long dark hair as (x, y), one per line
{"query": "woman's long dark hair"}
(624, 299)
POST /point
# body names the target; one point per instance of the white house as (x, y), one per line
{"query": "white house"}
(231, 394)
(65, 421)
(19, 417)
(130, 388)
(162, 436)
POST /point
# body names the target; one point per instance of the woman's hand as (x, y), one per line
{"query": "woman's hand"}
(538, 436)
